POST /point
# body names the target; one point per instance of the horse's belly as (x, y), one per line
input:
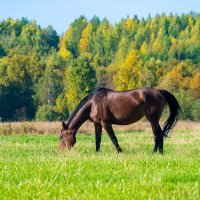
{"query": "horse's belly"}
(126, 121)
(125, 116)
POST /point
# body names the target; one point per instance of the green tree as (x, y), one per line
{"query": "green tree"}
(161, 45)
(31, 39)
(50, 84)
(104, 44)
(2, 51)
(46, 113)
(118, 61)
(80, 80)
(152, 71)
(61, 107)
(196, 110)
(50, 36)
(16, 95)
(74, 37)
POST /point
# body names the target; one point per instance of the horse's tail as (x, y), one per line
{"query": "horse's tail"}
(174, 109)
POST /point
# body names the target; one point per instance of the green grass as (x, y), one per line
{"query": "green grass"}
(31, 168)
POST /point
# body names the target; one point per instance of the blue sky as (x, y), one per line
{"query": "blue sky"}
(60, 13)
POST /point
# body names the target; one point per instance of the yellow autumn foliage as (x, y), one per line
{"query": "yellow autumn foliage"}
(62, 44)
(195, 84)
(143, 48)
(129, 74)
(83, 43)
(129, 23)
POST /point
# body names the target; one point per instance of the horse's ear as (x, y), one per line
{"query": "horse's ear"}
(64, 125)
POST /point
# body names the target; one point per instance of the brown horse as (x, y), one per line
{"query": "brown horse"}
(105, 107)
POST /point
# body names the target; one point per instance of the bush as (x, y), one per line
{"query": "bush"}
(196, 110)
(46, 113)
(186, 101)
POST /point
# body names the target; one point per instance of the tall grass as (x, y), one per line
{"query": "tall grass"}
(87, 127)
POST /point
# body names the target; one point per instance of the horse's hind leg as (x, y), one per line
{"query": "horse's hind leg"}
(98, 131)
(108, 128)
(153, 115)
(161, 143)
(153, 118)
(158, 137)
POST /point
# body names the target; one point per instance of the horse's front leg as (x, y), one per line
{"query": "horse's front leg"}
(98, 132)
(108, 128)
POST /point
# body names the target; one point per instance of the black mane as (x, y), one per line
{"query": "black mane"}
(80, 105)
(83, 101)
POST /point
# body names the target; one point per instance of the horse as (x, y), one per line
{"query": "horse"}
(105, 107)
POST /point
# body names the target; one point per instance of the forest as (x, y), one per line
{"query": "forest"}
(44, 75)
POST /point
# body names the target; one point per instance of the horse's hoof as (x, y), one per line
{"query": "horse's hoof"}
(119, 151)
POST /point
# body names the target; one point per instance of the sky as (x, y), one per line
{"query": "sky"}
(61, 13)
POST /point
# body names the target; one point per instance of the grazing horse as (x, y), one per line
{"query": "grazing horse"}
(105, 107)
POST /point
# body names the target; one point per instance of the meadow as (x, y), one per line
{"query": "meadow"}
(32, 168)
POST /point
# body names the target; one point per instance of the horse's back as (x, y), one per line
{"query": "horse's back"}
(119, 107)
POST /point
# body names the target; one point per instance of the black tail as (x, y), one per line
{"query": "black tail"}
(174, 109)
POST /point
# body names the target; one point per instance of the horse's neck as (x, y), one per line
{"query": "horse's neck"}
(81, 116)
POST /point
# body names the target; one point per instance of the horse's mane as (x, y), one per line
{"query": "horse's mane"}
(82, 103)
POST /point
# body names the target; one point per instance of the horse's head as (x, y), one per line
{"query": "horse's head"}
(67, 138)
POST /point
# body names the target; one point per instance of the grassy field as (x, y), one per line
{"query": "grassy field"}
(31, 167)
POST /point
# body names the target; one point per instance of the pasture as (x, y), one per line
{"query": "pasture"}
(32, 168)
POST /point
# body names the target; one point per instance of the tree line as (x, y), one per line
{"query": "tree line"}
(43, 76)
